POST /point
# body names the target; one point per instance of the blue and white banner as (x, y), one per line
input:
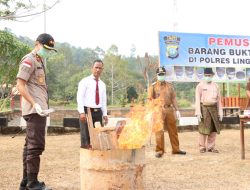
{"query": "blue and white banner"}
(186, 54)
(196, 74)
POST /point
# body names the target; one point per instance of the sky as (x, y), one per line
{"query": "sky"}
(128, 23)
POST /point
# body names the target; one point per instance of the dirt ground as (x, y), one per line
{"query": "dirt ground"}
(60, 164)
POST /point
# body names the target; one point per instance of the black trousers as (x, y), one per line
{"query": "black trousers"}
(96, 116)
(34, 142)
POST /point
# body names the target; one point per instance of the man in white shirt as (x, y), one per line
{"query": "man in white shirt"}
(91, 94)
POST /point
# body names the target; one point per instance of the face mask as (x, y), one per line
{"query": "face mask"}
(161, 78)
(208, 79)
(43, 53)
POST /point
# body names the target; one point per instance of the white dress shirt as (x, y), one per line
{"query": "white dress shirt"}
(86, 94)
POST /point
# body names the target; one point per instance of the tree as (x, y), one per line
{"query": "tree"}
(11, 52)
(132, 51)
(148, 67)
(115, 74)
(100, 52)
(131, 93)
(16, 9)
(9, 8)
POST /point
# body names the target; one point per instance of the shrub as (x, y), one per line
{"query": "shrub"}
(183, 103)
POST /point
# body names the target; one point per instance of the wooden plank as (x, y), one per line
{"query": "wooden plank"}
(237, 101)
(101, 138)
(226, 102)
(108, 140)
(92, 133)
(230, 101)
(239, 90)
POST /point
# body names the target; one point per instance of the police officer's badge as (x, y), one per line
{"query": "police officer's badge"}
(172, 45)
(41, 79)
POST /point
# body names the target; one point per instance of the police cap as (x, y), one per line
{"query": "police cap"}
(208, 71)
(47, 40)
(160, 70)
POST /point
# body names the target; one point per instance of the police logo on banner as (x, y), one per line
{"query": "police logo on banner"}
(172, 46)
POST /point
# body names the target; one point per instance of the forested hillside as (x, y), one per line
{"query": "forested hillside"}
(127, 77)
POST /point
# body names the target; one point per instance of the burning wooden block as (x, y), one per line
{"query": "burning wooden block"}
(103, 138)
(106, 166)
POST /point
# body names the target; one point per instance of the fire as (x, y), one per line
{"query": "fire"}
(142, 122)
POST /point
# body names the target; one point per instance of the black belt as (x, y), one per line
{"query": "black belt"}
(209, 104)
(92, 109)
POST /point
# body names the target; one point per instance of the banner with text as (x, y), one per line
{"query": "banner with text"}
(186, 54)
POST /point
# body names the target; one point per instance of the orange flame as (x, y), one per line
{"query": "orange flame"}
(142, 122)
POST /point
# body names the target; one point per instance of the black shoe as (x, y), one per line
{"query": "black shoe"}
(213, 150)
(202, 150)
(22, 187)
(89, 146)
(158, 154)
(36, 185)
(181, 152)
(23, 184)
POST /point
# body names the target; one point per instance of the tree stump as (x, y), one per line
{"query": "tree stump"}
(118, 169)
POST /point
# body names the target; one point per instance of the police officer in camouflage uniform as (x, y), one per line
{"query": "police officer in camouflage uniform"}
(164, 92)
(31, 84)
